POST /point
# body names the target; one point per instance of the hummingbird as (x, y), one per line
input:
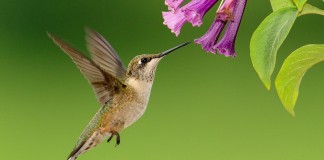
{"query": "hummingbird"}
(122, 93)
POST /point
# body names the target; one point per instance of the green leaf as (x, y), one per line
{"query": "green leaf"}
(293, 70)
(279, 4)
(300, 4)
(267, 39)
(309, 9)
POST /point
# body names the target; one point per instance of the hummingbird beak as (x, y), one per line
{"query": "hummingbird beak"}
(171, 50)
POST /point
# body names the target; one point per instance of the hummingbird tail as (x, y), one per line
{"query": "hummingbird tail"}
(86, 145)
(72, 158)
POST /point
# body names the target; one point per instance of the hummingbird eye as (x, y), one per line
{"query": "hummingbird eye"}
(144, 60)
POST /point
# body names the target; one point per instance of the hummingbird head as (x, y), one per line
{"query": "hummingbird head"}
(143, 67)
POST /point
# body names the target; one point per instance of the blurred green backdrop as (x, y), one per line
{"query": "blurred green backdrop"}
(202, 106)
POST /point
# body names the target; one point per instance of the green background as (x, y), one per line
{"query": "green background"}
(202, 106)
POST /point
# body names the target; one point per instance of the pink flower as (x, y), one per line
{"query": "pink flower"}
(192, 12)
(174, 21)
(230, 11)
(196, 10)
(173, 5)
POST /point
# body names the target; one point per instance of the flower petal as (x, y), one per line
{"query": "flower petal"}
(225, 10)
(174, 21)
(173, 5)
(196, 10)
(227, 43)
(209, 39)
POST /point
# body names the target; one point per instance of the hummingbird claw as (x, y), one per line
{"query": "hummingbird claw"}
(110, 138)
(117, 138)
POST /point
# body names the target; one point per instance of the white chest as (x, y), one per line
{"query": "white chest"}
(137, 108)
(142, 89)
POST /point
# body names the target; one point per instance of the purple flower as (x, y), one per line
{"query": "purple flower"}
(208, 41)
(196, 10)
(227, 43)
(173, 5)
(174, 21)
(230, 11)
(192, 12)
(225, 10)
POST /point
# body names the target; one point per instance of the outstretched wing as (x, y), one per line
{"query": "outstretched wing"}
(104, 55)
(103, 83)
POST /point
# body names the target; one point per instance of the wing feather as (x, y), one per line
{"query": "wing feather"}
(104, 55)
(103, 84)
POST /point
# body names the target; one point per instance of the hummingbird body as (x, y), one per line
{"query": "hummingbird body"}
(119, 113)
(124, 94)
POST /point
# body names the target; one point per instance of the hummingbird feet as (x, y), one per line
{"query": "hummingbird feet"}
(117, 138)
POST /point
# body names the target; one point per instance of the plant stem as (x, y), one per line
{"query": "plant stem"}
(309, 9)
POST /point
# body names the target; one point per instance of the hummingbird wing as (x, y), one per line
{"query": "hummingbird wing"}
(104, 55)
(103, 84)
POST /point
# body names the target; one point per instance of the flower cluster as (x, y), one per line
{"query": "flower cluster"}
(229, 11)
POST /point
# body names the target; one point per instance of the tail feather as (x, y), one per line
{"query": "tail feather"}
(86, 145)
(72, 158)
